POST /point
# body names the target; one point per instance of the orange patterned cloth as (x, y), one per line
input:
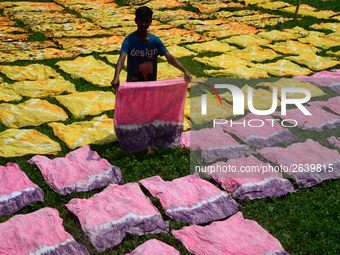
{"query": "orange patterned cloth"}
(21, 46)
(232, 28)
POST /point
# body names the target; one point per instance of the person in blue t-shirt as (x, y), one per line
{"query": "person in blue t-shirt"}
(142, 49)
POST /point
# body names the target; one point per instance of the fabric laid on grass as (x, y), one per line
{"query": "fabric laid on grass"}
(166, 71)
(191, 199)
(39, 232)
(178, 52)
(224, 61)
(90, 69)
(273, 5)
(169, 15)
(323, 14)
(314, 62)
(297, 30)
(276, 35)
(12, 29)
(149, 113)
(326, 26)
(216, 144)
(16, 189)
(14, 37)
(232, 28)
(64, 27)
(319, 41)
(32, 7)
(211, 46)
(20, 142)
(113, 59)
(266, 133)
(332, 103)
(20, 46)
(79, 171)
(176, 36)
(160, 4)
(335, 141)
(283, 68)
(309, 163)
(214, 7)
(30, 18)
(255, 53)
(116, 211)
(33, 112)
(319, 121)
(219, 238)
(31, 72)
(238, 72)
(247, 40)
(97, 131)
(251, 184)
(154, 247)
(304, 9)
(80, 33)
(7, 94)
(293, 48)
(81, 104)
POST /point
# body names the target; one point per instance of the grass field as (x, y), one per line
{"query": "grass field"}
(305, 222)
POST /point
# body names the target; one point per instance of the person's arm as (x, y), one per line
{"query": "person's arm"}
(119, 67)
(174, 61)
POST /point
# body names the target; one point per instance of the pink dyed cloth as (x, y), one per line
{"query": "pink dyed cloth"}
(330, 79)
(332, 103)
(233, 236)
(264, 133)
(150, 114)
(309, 163)
(40, 232)
(185, 140)
(16, 189)
(191, 199)
(319, 120)
(250, 178)
(119, 209)
(216, 144)
(80, 170)
(154, 247)
(334, 140)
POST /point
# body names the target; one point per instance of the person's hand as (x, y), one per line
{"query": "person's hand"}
(187, 77)
(115, 83)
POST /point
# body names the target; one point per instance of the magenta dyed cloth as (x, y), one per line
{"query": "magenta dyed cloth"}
(319, 120)
(330, 79)
(264, 133)
(16, 189)
(309, 163)
(154, 247)
(216, 144)
(40, 232)
(332, 103)
(185, 140)
(334, 140)
(250, 178)
(191, 199)
(233, 236)
(150, 113)
(80, 170)
(119, 209)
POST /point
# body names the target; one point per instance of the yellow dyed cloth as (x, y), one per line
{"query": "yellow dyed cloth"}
(334, 36)
(97, 131)
(64, 27)
(11, 29)
(247, 40)
(224, 61)
(81, 104)
(7, 94)
(284, 68)
(255, 53)
(211, 46)
(274, 5)
(304, 9)
(336, 18)
(238, 72)
(232, 28)
(191, 24)
(33, 7)
(113, 59)
(210, 8)
(20, 142)
(186, 124)
(293, 48)
(297, 30)
(176, 36)
(14, 37)
(336, 54)
(159, 4)
(90, 69)
(257, 16)
(326, 26)
(178, 52)
(314, 62)
(255, 2)
(293, 83)
(187, 107)
(79, 33)
(318, 41)
(276, 35)
(261, 23)
(41, 88)
(31, 72)
(30, 18)
(242, 13)
(20, 46)
(33, 112)
(323, 14)
(174, 15)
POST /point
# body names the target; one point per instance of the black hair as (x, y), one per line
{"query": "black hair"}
(144, 11)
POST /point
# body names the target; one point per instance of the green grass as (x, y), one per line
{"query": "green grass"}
(305, 222)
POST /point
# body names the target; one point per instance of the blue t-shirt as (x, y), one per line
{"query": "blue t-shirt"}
(142, 57)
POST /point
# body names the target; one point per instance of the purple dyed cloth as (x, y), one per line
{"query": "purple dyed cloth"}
(154, 247)
(40, 232)
(150, 114)
(334, 140)
(119, 209)
(191, 199)
(235, 235)
(216, 144)
(16, 189)
(309, 163)
(250, 178)
(319, 120)
(265, 133)
(332, 103)
(80, 170)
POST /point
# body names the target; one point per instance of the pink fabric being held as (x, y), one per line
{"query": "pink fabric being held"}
(149, 114)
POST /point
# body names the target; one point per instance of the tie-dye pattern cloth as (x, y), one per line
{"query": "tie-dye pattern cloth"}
(332, 103)
(40, 232)
(79, 171)
(235, 235)
(149, 113)
(154, 247)
(334, 140)
(191, 199)
(252, 178)
(309, 163)
(31, 72)
(16, 189)
(119, 209)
